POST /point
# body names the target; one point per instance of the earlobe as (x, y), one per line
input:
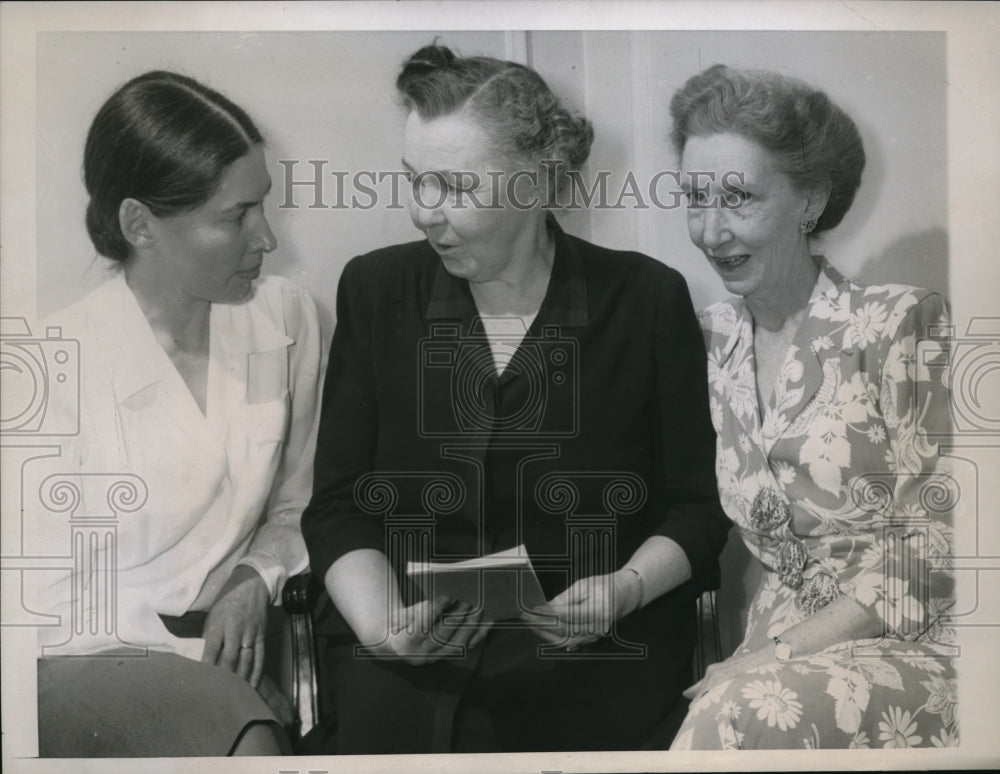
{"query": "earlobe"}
(818, 199)
(135, 221)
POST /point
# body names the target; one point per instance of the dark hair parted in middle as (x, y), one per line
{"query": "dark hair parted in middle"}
(511, 102)
(165, 140)
(813, 140)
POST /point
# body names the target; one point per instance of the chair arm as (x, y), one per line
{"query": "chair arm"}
(300, 594)
(298, 598)
(708, 651)
(709, 648)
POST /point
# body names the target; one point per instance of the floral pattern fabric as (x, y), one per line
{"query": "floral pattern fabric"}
(836, 487)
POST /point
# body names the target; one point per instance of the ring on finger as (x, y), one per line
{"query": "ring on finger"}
(246, 647)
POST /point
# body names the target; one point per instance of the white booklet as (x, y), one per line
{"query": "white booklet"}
(504, 583)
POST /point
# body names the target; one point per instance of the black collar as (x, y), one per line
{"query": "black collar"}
(565, 301)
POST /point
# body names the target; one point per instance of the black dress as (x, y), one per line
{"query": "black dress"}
(595, 437)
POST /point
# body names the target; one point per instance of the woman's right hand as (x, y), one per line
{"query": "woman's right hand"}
(427, 631)
(364, 588)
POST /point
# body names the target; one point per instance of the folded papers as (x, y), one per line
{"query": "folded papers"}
(504, 584)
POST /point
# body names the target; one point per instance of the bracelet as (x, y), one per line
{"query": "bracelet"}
(642, 587)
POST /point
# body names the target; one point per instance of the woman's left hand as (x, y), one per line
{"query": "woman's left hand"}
(586, 611)
(234, 628)
(729, 669)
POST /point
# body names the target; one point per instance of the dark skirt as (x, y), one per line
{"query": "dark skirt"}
(161, 704)
(504, 699)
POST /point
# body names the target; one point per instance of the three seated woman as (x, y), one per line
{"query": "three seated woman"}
(501, 385)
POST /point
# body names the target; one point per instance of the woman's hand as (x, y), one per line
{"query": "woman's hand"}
(234, 628)
(729, 669)
(364, 588)
(586, 611)
(841, 620)
(428, 631)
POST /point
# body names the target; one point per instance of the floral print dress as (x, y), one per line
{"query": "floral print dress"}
(837, 488)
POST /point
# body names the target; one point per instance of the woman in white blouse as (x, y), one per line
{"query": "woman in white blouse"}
(200, 381)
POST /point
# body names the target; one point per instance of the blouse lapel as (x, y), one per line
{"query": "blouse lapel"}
(248, 396)
(250, 349)
(732, 367)
(147, 385)
(815, 351)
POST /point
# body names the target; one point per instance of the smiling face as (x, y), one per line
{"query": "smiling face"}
(744, 214)
(215, 252)
(474, 228)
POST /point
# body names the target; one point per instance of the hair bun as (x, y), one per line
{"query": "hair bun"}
(432, 57)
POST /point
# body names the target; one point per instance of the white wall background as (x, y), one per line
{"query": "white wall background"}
(330, 96)
(893, 85)
(323, 96)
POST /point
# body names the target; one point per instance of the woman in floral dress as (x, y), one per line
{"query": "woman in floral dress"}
(829, 403)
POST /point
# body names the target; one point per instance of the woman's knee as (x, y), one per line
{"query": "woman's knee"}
(261, 739)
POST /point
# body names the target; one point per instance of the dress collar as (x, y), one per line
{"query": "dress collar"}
(243, 328)
(237, 330)
(828, 292)
(830, 301)
(565, 301)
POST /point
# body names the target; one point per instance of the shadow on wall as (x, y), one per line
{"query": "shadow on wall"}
(919, 259)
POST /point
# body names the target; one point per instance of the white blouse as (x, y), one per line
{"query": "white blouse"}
(221, 489)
